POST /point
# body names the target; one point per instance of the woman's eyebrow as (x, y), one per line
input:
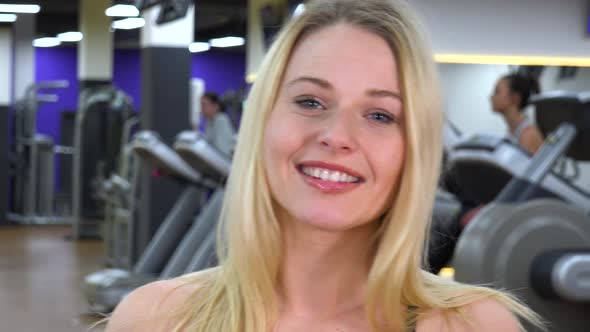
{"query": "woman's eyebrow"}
(314, 80)
(384, 93)
(326, 85)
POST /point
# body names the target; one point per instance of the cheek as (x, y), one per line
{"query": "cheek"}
(280, 143)
(389, 163)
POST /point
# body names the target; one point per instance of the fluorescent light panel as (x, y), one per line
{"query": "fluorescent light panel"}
(71, 36)
(513, 60)
(122, 11)
(198, 47)
(46, 42)
(128, 23)
(26, 9)
(7, 17)
(227, 42)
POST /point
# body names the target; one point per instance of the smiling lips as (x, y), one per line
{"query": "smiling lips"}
(329, 178)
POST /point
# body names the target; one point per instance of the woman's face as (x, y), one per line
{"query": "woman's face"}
(208, 107)
(502, 98)
(334, 141)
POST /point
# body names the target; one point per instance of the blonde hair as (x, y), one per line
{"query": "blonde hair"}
(241, 296)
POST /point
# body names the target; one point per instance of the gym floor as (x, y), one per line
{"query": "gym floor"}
(41, 273)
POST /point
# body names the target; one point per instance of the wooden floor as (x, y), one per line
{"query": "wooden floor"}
(40, 278)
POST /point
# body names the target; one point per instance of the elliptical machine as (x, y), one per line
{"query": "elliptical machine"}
(34, 160)
(534, 237)
(102, 112)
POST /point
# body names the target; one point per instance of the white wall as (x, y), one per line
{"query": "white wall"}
(508, 27)
(5, 65)
(580, 82)
(466, 91)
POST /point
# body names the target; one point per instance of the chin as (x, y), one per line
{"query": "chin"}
(330, 221)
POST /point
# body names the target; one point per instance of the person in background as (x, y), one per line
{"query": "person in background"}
(219, 131)
(510, 97)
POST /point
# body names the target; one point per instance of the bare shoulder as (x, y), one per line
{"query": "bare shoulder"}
(482, 316)
(146, 307)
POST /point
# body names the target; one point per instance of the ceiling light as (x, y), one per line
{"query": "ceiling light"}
(28, 9)
(71, 36)
(299, 9)
(122, 11)
(198, 47)
(128, 23)
(227, 42)
(7, 17)
(46, 42)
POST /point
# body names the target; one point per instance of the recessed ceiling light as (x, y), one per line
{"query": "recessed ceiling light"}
(227, 42)
(71, 36)
(27, 9)
(198, 47)
(122, 11)
(7, 17)
(128, 23)
(46, 42)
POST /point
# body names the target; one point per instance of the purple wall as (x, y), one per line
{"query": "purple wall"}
(56, 64)
(221, 71)
(127, 74)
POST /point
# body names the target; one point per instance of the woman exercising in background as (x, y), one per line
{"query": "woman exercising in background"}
(510, 97)
(219, 131)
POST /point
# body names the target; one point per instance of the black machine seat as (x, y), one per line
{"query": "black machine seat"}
(556, 107)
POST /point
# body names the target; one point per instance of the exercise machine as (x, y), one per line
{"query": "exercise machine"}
(533, 238)
(102, 112)
(179, 239)
(34, 160)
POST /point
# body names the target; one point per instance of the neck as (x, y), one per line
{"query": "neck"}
(513, 118)
(324, 273)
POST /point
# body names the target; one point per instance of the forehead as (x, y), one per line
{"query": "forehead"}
(347, 53)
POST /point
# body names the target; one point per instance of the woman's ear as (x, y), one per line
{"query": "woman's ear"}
(515, 99)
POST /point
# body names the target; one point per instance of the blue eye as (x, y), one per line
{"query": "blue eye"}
(309, 103)
(382, 117)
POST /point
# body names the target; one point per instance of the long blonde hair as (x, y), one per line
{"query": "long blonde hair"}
(241, 295)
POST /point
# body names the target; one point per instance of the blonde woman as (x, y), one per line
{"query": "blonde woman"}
(329, 199)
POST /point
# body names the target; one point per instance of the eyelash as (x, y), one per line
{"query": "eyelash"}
(382, 117)
(304, 103)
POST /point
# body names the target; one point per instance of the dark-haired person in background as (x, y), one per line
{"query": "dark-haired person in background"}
(510, 97)
(219, 131)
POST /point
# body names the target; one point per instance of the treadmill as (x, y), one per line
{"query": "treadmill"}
(104, 289)
(534, 239)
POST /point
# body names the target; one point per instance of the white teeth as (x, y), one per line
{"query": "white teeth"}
(334, 176)
(343, 178)
(327, 175)
(316, 172)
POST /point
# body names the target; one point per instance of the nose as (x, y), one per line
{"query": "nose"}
(339, 133)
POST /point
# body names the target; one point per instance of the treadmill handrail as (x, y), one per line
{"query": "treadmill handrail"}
(552, 149)
(150, 143)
